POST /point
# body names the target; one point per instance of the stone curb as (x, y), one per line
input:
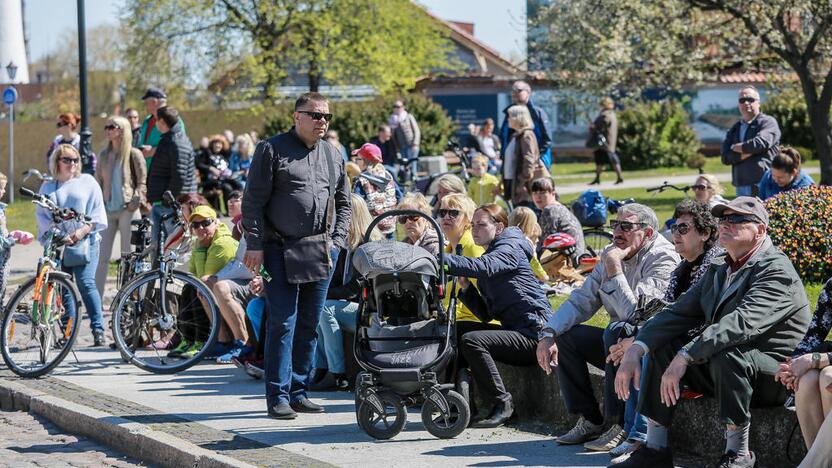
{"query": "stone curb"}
(131, 438)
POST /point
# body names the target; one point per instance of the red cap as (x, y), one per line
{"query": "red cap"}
(370, 152)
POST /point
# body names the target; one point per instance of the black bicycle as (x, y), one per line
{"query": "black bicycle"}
(666, 186)
(426, 185)
(158, 309)
(597, 238)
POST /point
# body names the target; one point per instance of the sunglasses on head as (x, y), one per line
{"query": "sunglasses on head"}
(111, 127)
(626, 226)
(453, 214)
(405, 219)
(737, 219)
(317, 115)
(700, 187)
(744, 100)
(69, 160)
(681, 228)
(201, 224)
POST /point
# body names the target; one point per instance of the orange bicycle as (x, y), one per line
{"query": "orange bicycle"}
(39, 324)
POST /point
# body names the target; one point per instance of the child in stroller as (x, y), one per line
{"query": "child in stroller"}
(404, 339)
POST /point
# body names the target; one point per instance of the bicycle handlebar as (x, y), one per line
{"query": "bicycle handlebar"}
(664, 186)
(58, 213)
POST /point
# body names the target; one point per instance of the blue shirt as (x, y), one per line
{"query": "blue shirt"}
(82, 194)
(769, 188)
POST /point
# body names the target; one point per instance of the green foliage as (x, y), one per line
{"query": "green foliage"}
(655, 134)
(357, 121)
(789, 108)
(799, 223)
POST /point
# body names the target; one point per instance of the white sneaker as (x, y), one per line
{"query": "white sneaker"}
(626, 448)
(582, 432)
(609, 440)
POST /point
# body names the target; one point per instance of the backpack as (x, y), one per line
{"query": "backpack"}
(591, 208)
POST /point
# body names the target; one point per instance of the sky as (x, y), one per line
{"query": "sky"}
(498, 23)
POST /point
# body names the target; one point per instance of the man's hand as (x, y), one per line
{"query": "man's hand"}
(148, 151)
(253, 260)
(613, 257)
(629, 371)
(547, 354)
(670, 389)
(737, 148)
(784, 375)
(256, 285)
(617, 350)
(800, 365)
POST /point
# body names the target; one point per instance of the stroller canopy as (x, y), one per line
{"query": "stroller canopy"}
(387, 257)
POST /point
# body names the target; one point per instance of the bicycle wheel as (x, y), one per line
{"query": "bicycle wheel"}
(38, 330)
(146, 328)
(596, 240)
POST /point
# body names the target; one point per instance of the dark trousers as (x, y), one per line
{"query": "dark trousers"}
(482, 348)
(291, 321)
(583, 345)
(739, 378)
(468, 326)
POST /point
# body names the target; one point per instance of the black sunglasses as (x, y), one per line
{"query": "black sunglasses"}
(448, 214)
(317, 115)
(700, 187)
(405, 219)
(201, 224)
(626, 226)
(69, 160)
(111, 127)
(737, 219)
(681, 228)
(61, 124)
(744, 100)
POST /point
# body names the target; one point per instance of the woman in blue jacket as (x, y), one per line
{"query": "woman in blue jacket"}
(785, 174)
(506, 290)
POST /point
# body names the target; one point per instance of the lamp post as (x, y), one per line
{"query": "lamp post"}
(86, 134)
(11, 70)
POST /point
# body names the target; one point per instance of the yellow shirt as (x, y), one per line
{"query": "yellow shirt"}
(470, 250)
(483, 189)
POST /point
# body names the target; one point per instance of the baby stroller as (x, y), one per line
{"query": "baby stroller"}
(404, 338)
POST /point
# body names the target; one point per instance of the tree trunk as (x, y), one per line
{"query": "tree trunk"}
(314, 82)
(822, 132)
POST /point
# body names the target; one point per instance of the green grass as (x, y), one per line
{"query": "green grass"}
(587, 169)
(21, 215)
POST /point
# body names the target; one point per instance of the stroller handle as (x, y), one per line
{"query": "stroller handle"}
(433, 223)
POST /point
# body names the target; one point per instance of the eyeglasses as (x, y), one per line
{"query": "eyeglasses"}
(111, 127)
(61, 124)
(397, 107)
(518, 90)
(201, 224)
(405, 219)
(69, 161)
(736, 219)
(700, 187)
(448, 214)
(681, 228)
(744, 100)
(626, 226)
(317, 115)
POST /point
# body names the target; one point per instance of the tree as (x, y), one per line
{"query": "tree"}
(631, 44)
(387, 44)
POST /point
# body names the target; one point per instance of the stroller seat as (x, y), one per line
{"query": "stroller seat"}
(404, 346)
(414, 357)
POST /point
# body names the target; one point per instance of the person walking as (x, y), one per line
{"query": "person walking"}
(603, 135)
(121, 175)
(750, 144)
(521, 94)
(296, 214)
(406, 135)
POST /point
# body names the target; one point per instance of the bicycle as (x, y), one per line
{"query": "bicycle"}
(596, 238)
(41, 319)
(155, 305)
(425, 185)
(663, 187)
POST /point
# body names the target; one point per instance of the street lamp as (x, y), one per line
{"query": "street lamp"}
(11, 71)
(86, 134)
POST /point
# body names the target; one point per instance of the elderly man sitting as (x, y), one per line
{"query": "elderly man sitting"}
(755, 312)
(638, 264)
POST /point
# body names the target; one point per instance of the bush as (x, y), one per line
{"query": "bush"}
(356, 122)
(656, 134)
(799, 223)
(789, 108)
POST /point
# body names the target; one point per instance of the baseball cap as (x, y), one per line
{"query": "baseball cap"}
(203, 211)
(751, 206)
(370, 152)
(154, 93)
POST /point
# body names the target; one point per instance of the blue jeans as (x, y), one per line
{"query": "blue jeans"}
(84, 276)
(156, 214)
(335, 317)
(635, 425)
(745, 191)
(294, 310)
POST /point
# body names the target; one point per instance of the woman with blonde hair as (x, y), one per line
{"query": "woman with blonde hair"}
(416, 228)
(526, 220)
(121, 174)
(446, 185)
(240, 160)
(522, 157)
(707, 189)
(341, 305)
(80, 192)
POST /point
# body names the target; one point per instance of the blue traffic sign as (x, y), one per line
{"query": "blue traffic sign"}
(9, 96)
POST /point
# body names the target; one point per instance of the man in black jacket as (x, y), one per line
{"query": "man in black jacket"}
(296, 208)
(751, 144)
(521, 94)
(172, 168)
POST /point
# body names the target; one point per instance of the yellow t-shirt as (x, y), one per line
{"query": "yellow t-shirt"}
(483, 189)
(470, 250)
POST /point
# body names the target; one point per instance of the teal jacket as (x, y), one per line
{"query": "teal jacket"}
(764, 307)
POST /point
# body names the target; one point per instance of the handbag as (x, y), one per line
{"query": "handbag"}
(307, 259)
(77, 254)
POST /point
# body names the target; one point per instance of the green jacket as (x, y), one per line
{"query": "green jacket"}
(764, 306)
(206, 261)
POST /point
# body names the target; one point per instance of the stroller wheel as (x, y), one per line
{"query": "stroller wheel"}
(385, 424)
(446, 427)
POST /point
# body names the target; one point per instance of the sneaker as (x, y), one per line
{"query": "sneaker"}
(609, 440)
(238, 349)
(177, 351)
(582, 432)
(255, 369)
(645, 456)
(192, 350)
(619, 181)
(305, 405)
(98, 338)
(732, 460)
(624, 449)
(282, 411)
(216, 350)
(241, 360)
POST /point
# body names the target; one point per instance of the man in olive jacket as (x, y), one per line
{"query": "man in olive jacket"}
(754, 311)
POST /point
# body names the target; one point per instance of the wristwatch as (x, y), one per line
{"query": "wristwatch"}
(545, 333)
(815, 360)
